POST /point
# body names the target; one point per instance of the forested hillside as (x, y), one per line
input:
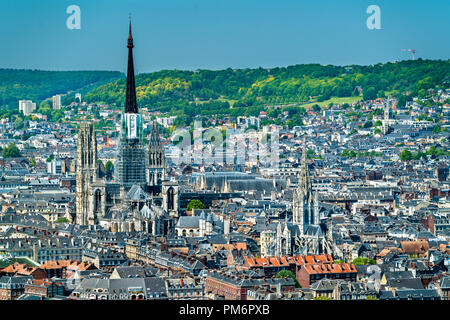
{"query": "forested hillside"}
(188, 93)
(38, 85)
(233, 92)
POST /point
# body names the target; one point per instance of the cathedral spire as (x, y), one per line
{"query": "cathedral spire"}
(130, 37)
(130, 99)
(131, 159)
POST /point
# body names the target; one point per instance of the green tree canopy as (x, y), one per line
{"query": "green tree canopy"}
(368, 124)
(406, 155)
(363, 261)
(322, 298)
(436, 129)
(109, 166)
(290, 274)
(370, 93)
(195, 204)
(11, 151)
(32, 162)
(187, 94)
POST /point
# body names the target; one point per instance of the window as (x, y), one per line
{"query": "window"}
(170, 199)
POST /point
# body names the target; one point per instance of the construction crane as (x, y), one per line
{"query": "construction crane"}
(413, 52)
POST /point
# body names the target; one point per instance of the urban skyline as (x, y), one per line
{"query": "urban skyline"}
(298, 183)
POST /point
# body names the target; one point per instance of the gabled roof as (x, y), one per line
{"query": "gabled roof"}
(418, 294)
(188, 222)
(445, 283)
(396, 275)
(329, 268)
(136, 193)
(130, 272)
(415, 247)
(411, 283)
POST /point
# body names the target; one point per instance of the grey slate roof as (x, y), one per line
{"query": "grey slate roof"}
(188, 222)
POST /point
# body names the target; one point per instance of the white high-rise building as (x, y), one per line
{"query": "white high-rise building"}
(27, 107)
(56, 102)
(54, 167)
(166, 121)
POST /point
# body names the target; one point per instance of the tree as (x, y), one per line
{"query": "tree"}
(322, 298)
(11, 151)
(311, 154)
(368, 124)
(406, 155)
(32, 162)
(360, 261)
(422, 94)
(436, 129)
(370, 93)
(109, 166)
(401, 101)
(348, 153)
(180, 121)
(18, 123)
(195, 204)
(290, 274)
(44, 107)
(352, 154)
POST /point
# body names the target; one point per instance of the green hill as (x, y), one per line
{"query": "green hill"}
(234, 92)
(210, 92)
(38, 85)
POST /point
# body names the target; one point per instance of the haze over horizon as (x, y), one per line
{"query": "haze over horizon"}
(216, 35)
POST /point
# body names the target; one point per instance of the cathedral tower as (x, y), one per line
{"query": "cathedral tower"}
(155, 159)
(305, 206)
(388, 115)
(86, 173)
(131, 154)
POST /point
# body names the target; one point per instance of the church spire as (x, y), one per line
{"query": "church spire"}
(130, 37)
(130, 99)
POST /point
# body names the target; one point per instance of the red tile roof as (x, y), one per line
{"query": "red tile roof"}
(19, 268)
(420, 246)
(277, 261)
(321, 268)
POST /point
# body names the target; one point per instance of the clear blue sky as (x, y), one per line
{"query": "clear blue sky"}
(217, 34)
